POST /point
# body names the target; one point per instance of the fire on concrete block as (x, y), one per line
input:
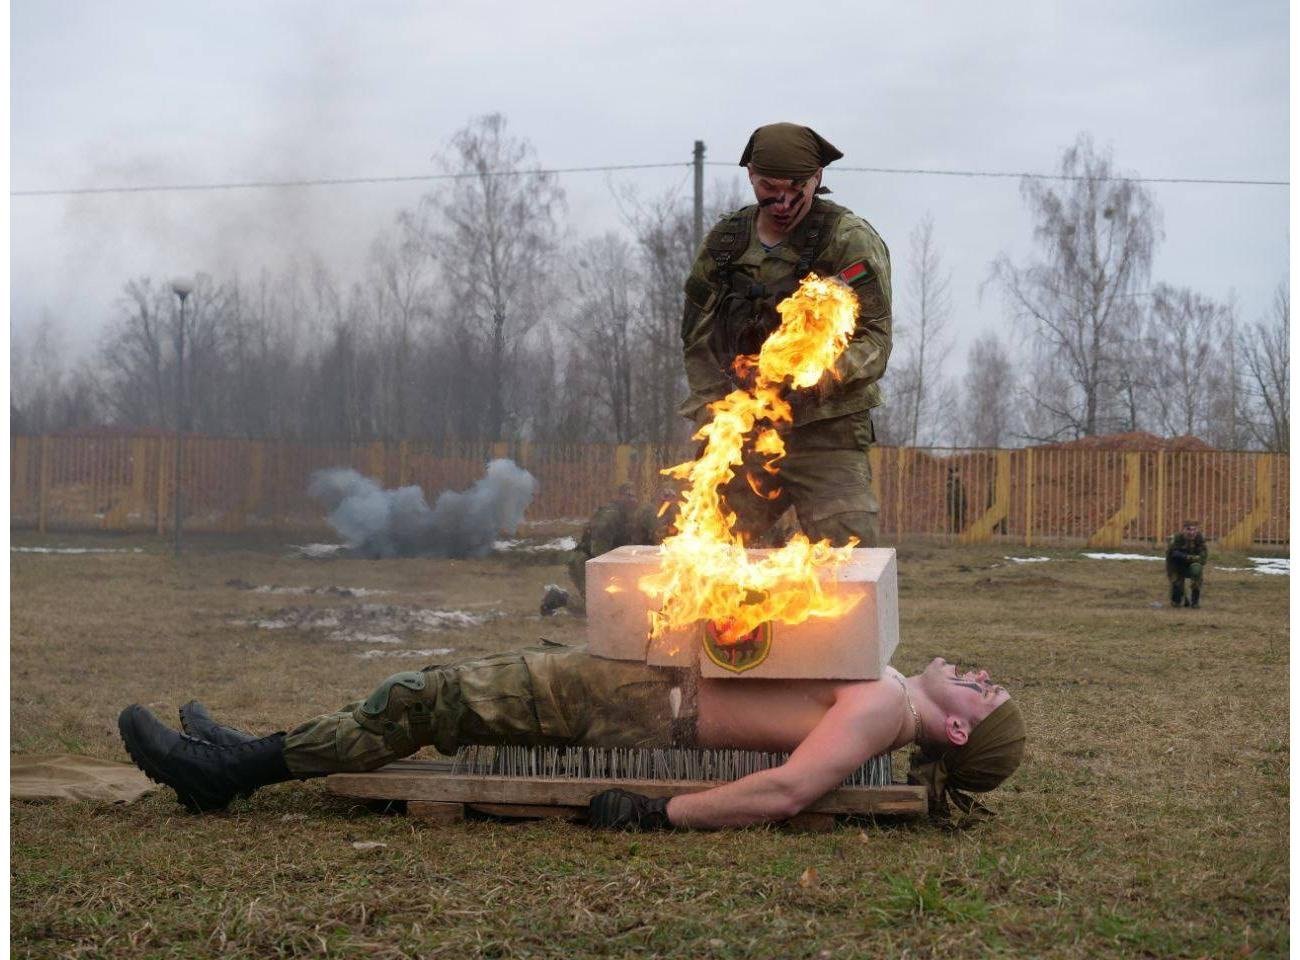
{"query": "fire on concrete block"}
(856, 645)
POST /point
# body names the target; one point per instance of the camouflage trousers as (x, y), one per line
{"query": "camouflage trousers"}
(1178, 571)
(540, 696)
(578, 570)
(825, 475)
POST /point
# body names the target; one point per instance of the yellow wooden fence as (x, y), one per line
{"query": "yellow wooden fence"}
(1103, 498)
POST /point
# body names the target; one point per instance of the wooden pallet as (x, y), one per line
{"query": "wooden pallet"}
(433, 792)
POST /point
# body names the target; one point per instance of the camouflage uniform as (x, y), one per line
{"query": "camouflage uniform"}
(825, 474)
(615, 524)
(1185, 558)
(549, 695)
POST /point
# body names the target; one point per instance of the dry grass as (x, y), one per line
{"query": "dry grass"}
(1150, 818)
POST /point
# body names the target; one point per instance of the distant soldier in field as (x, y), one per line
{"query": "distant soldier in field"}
(618, 523)
(1185, 560)
(752, 260)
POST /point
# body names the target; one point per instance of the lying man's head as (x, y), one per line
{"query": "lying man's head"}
(977, 739)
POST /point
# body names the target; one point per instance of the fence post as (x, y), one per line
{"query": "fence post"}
(622, 463)
(44, 481)
(1029, 497)
(900, 453)
(19, 486)
(1160, 497)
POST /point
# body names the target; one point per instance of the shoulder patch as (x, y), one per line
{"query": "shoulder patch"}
(854, 272)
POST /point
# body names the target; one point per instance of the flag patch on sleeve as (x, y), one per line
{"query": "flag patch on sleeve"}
(853, 272)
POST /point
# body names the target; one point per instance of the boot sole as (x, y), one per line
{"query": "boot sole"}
(154, 773)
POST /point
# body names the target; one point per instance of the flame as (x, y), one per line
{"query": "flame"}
(705, 572)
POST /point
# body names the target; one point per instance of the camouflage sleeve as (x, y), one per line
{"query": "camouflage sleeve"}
(704, 377)
(602, 531)
(1203, 554)
(868, 351)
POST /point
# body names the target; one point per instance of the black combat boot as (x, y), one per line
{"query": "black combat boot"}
(205, 776)
(1176, 595)
(1196, 596)
(198, 723)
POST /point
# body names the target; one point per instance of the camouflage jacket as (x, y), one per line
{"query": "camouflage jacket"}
(614, 526)
(850, 241)
(1195, 548)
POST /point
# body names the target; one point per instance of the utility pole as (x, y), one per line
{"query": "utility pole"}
(698, 236)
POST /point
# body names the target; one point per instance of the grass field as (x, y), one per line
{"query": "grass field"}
(1150, 818)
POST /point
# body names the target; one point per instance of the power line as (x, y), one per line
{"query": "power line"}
(1049, 176)
(330, 182)
(418, 178)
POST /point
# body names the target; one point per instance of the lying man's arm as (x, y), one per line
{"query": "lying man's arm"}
(861, 724)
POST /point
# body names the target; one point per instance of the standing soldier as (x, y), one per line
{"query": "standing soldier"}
(618, 523)
(751, 261)
(1185, 558)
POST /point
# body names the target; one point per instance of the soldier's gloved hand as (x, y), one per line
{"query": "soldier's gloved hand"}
(623, 810)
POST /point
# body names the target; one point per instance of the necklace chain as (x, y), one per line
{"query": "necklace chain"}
(916, 717)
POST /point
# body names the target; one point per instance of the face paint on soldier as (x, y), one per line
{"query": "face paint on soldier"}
(782, 203)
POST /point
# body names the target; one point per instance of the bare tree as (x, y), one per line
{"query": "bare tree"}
(1228, 409)
(603, 328)
(45, 396)
(399, 293)
(1184, 327)
(920, 411)
(1097, 234)
(493, 233)
(1266, 352)
(989, 402)
(137, 358)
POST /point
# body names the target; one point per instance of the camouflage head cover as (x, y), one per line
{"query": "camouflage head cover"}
(990, 754)
(787, 151)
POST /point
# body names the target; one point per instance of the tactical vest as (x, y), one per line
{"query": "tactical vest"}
(745, 315)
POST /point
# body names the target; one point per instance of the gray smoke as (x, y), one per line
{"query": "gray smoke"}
(398, 523)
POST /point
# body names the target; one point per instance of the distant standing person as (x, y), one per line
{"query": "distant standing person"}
(1185, 560)
(752, 260)
(618, 523)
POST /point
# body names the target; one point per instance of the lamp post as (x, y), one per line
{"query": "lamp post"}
(181, 288)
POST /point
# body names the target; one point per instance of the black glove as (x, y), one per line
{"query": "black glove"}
(1179, 555)
(622, 810)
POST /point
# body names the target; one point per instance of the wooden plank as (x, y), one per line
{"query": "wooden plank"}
(434, 811)
(811, 822)
(530, 811)
(400, 782)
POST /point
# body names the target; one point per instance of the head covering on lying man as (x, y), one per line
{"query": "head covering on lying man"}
(990, 754)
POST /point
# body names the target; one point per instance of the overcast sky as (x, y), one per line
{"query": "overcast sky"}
(124, 93)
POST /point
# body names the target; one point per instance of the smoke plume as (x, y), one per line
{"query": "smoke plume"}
(398, 523)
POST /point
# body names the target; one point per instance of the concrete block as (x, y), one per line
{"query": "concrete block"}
(856, 646)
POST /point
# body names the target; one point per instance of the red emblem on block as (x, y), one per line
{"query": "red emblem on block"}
(741, 655)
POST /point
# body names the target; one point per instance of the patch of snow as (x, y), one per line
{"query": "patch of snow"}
(332, 591)
(525, 546)
(444, 619)
(345, 636)
(1028, 559)
(1278, 566)
(320, 551)
(1120, 556)
(1235, 569)
(73, 550)
(405, 654)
